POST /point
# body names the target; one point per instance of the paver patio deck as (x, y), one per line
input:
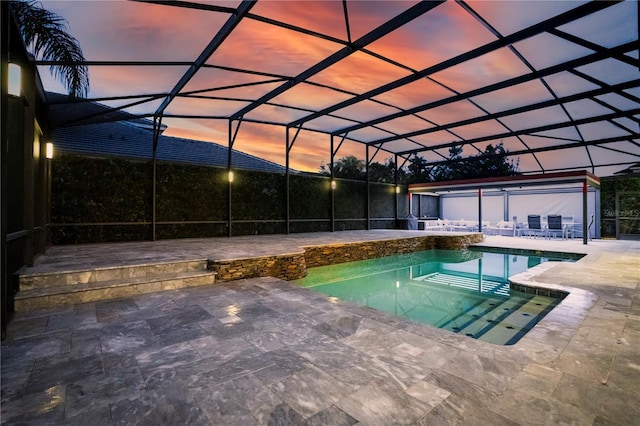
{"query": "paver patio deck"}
(264, 351)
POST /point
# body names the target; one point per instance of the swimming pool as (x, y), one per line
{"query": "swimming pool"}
(463, 291)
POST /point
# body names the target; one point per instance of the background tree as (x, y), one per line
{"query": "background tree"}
(491, 162)
(348, 167)
(383, 172)
(418, 170)
(45, 34)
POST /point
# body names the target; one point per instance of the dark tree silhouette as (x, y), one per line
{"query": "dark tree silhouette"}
(493, 161)
(383, 172)
(418, 170)
(45, 34)
(348, 167)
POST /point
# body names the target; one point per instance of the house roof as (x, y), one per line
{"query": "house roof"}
(134, 139)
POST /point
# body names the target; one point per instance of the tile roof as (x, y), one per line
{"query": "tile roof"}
(133, 140)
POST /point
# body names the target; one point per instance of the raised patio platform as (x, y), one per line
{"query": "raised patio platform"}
(68, 275)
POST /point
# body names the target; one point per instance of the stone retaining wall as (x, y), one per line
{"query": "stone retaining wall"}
(286, 267)
(349, 252)
(291, 267)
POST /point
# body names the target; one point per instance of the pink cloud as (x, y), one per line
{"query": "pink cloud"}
(258, 46)
(122, 30)
(419, 92)
(444, 32)
(364, 16)
(312, 97)
(321, 16)
(359, 73)
(127, 80)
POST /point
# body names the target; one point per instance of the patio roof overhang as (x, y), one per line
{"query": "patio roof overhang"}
(543, 179)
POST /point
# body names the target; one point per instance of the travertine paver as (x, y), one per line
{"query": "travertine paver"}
(263, 351)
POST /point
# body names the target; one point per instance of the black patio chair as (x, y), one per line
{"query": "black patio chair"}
(534, 225)
(555, 227)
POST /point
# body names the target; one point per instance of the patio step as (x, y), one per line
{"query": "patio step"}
(47, 290)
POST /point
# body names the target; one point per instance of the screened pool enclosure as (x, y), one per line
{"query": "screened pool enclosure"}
(305, 83)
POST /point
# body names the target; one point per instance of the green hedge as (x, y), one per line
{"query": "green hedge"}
(90, 190)
(110, 199)
(350, 201)
(310, 197)
(190, 193)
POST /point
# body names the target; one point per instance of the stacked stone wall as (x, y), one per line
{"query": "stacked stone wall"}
(286, 267)
(291, 267)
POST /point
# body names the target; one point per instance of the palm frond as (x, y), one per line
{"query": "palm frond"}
(45, 33)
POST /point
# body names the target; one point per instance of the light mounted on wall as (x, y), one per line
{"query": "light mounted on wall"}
(49, 150)
(397, 189)
(14, 80)
(230, 176)
(333, 184)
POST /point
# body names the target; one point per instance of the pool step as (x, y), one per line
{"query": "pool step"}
(518, 322)
(47, 290)
(500, 322)
(482, 315)
(487, 286)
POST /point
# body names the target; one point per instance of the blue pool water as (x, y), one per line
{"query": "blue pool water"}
(465, 292)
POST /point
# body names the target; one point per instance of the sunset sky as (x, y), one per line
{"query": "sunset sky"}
(132, 31)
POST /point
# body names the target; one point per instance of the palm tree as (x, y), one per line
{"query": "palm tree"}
(45, 34)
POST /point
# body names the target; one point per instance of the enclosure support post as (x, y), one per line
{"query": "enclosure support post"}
(410, 198)
(157, 123)
(286, 182)
(395, 191)
(229, 180)
(505, 205)
(367, 195)
(585, 213)
(332, 189)
(480, 210)
(289, 141)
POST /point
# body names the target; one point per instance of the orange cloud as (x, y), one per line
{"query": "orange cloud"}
(311, 97)
(128, 80)
(444, 32)
(325, 17)
(419, 92)
(255, 45)
(359, 73)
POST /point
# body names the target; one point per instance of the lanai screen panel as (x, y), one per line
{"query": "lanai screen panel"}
(550, 79)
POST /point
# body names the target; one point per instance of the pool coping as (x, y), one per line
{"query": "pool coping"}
(566, 316)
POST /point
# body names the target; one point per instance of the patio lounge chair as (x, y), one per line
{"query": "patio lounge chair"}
(555, 226)
(501, 228)
(534, 225)
(570, 226)
(518, 228)
(434, 225)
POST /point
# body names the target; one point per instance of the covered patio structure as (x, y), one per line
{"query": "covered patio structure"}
(504, 185)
